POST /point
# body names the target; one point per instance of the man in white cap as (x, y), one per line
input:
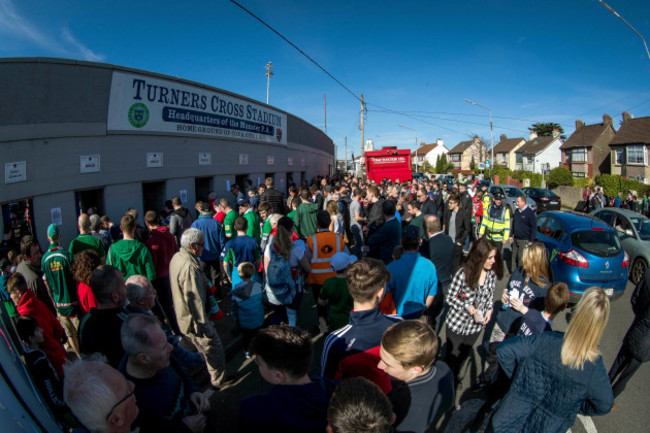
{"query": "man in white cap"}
(335, 294)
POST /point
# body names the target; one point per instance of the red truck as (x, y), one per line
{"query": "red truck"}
(390, 162)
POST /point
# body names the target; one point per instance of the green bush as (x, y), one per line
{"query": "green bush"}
(560, 176)
(581, 182)
(502, 172)
(611, 184)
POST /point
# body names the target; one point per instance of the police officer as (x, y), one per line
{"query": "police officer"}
(495, 225)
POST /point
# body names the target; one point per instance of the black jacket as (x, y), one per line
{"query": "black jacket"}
(375, 215)
(462, 225)
(429, 207)
(440, 250)
(637, 339)
(275, 198)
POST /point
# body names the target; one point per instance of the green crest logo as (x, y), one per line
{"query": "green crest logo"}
(138, 115)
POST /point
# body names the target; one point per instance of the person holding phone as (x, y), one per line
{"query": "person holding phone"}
(470, 300)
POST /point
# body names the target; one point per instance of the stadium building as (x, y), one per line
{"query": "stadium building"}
(78, 134)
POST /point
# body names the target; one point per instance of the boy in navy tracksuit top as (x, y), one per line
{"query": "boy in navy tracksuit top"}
(535, 322)
(296, 403)
(353, 350)
(246, 304)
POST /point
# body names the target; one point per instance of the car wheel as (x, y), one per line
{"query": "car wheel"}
(638, 269)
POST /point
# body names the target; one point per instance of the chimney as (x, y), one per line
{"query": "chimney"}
(532, 136)
(439, 142)
(579, 124)
(607, 119)
(503, 137)
(626, 116)
(477, 140)
(556, 133)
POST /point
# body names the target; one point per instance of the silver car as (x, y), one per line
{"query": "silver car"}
(510, 194)
(634, 233)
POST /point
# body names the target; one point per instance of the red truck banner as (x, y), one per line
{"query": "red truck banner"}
(390, 163)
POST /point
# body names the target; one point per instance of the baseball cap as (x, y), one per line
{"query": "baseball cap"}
(411, 232)
(242, 201)
(53, 231)
(340, 261)
(497, 196)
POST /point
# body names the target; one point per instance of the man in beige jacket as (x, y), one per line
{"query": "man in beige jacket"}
(190, 296)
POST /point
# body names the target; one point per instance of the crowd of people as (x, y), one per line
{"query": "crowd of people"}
(387, 266)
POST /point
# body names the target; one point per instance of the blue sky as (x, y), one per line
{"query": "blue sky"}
(528, 61)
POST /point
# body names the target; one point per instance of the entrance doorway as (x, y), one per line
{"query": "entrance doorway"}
(18, 220)
(90, 201)
(153, 196)
(203, 188)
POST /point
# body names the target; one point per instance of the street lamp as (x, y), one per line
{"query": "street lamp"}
(268, 75)
(626, 23)
(491, 134)
(416, 144)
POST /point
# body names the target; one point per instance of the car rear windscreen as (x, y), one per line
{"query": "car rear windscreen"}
(596, 242)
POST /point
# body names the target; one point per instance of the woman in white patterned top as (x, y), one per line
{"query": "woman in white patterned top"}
(470, 299)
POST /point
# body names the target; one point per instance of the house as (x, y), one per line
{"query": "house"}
(466, 151)
(539, 153)
(586, 153)
(504, 151)
(429, 153)
(629, 154)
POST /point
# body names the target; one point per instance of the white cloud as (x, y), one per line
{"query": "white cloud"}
(19, 28)
(13, 24)
(86, 52)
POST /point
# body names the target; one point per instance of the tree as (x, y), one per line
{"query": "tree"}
(472, 164)
(438, 164)
(546, 129)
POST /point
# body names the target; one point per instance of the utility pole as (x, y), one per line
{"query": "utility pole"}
(325, 107)
(361, 127)
(346, 153)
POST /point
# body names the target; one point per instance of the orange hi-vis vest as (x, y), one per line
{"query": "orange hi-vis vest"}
(323, 246)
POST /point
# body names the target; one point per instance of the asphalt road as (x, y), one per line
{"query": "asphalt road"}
(631, 415)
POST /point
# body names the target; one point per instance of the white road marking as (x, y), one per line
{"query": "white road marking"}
(588, 423)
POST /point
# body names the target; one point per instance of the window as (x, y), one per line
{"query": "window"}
(578, 155)
(619, 156)
(636, 154)
(455, 157)
(597, 243)
(577, 174)
(639, 178)
(520, 157)
(553, 229)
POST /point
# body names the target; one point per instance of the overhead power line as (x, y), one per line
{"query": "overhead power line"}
(297, 48)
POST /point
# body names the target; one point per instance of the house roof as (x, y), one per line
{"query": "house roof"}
(462, 146)
(535, 145)
(507, 145)
(586, 136)
(426, 148)
(633, 131)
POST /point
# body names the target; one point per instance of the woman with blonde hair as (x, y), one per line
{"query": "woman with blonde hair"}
(336, 226)
(526, 289)
(555, 375)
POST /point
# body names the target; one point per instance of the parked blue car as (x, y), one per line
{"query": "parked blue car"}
(583, 252)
